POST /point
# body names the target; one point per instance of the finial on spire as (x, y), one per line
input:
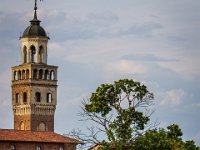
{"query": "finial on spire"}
(35, 13)
(35, 9)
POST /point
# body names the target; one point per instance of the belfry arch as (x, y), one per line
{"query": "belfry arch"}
(33, 54)
(41, 54)
(25, 54)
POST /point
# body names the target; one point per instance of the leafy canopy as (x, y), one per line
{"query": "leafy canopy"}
(120, 100)
(117, 110)
(170, 139)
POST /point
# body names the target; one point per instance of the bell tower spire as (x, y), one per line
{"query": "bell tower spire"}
(35, 10)
(34, 82)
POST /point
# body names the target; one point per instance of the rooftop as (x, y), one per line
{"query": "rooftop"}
(34, 136)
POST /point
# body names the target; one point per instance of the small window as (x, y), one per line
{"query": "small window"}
(46, 75)
(49, 97)
(13, 147)
(42, 127)
(38, 96)
(27, 74)
(22, 126)
(15, 76)
(17, 97)
(35, 74)
(61, 147)
(52, 75)
(25, 97)
(39, 148)
(40, 73)
(19, 75)
(23, 74)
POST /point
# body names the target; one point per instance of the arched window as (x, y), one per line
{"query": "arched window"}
(13, 147)
(19, 75)
(15, 75)
(39, 148)
(33, 54)
(61, 147)
(23, 74)
(22, 126)
(40, 73)
(27, 74)
(38, 97)
(41, 54)
(25, 97)
(25, 54)
(46, 74)
(17, 97)
(52, 75)
(42, 127)
(35, 74)
(49, 97)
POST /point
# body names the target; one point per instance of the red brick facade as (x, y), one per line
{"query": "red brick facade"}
(32, 122)
(28, 112)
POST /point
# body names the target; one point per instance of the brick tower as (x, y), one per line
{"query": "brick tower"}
(34, 82)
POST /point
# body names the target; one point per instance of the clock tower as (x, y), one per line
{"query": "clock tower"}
(34, 82)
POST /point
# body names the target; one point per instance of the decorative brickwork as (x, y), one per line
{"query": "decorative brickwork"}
(34, 87)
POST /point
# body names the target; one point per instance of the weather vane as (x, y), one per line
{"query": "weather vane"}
(35, 8)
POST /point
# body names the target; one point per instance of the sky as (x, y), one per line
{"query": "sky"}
(100, 41)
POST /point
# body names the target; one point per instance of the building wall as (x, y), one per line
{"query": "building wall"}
(34, 113)
(33, 146)
(33, 122)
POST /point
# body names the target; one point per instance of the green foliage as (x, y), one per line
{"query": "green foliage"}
(174, 132)
(190, 145)
(116, 108)
(164, 140)
(121, 98)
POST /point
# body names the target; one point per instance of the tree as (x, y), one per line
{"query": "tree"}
(121, 112)
(164, 140)
(117, 109)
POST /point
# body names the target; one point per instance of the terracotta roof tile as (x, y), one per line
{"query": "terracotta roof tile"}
(34, 136)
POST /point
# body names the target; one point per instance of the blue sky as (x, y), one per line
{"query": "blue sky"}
(100, 41)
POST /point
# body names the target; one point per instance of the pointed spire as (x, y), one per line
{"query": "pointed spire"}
(35, 21)
(35, 13)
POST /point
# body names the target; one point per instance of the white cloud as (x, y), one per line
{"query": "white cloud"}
(125, 67)
(56, 49)
(187, 67)
(94, 38)
(172, 97)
